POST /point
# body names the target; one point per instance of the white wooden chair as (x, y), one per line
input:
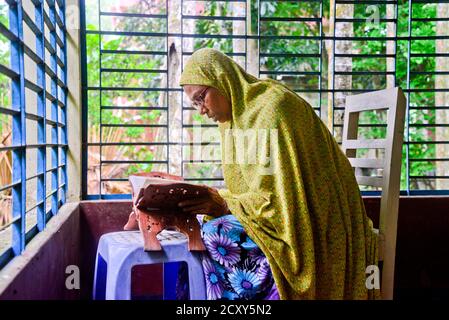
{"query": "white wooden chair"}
(392, 100)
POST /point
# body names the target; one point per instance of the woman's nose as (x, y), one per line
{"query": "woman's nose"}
(203, 110)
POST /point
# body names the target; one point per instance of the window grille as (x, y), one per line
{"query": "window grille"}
(323, 50)
(33, 148)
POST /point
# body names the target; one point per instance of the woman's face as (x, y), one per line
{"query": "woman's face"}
(209, 101)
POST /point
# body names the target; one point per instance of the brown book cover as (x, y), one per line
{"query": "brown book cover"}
(163, 192)
(155, 207)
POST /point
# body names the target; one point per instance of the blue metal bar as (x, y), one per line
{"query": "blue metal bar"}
(34, 87)
(416, 193)
(8, 72)
(51, 48)
(41, 123)
(8, 33)
(132, 108)
(31, 233)
(108, 197)
(84, 99)
(64, 139)
(102, 89)
(48, 22)
(35, 176)
(9, 186)
(54, 110)
(129, 143)
(19, 132)
(134, 125)
(31, 54)
(167, 84)
(132, 161)
(61, 4)
(6, 256)
(9, 111)
(36, 30)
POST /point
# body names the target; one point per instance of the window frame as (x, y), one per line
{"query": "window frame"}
(55, 98)
(321, 38)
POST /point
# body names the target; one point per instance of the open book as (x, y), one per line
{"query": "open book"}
(159, 191)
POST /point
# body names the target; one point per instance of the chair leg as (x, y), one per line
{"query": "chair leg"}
(99, 287)
(197, 284)
(118, 281)
(94, 288)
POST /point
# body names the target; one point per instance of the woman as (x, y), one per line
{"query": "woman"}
(306, 216)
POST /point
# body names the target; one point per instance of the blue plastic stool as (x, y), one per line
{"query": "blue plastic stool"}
(121, 251)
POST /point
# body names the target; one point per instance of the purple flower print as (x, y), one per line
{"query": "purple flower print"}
(222, 249)
(226, 225)
(264, 271)
(214, 285)
(257, 255)
(244, 282)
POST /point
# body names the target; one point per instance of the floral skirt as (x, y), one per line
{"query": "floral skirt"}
(234, 266)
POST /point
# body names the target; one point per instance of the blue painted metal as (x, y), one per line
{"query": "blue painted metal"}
(19, 116)
(84, 101)
(54, 109)
(18, 130)
(64, 180)
(41, 111)
(5, 257)
(100, 185)
(108, 197)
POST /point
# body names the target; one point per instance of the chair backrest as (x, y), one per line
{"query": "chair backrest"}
(392, 100)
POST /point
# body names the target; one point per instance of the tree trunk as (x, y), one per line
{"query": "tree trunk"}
(342, 29)
(391, 45)
(252, 54)
(171, 80)
(442, 98)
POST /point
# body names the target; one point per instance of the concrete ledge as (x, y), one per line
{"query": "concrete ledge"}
(39, 273)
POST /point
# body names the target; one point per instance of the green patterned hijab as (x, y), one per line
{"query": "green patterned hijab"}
(307, 216)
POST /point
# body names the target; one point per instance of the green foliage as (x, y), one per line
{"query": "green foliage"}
(214, 27)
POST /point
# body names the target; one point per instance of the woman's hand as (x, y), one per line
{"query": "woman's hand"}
(213, 204)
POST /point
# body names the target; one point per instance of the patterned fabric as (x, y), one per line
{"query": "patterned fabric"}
(234, 267)
(307, 216)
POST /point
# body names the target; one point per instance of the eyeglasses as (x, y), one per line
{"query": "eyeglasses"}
(199, 101)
